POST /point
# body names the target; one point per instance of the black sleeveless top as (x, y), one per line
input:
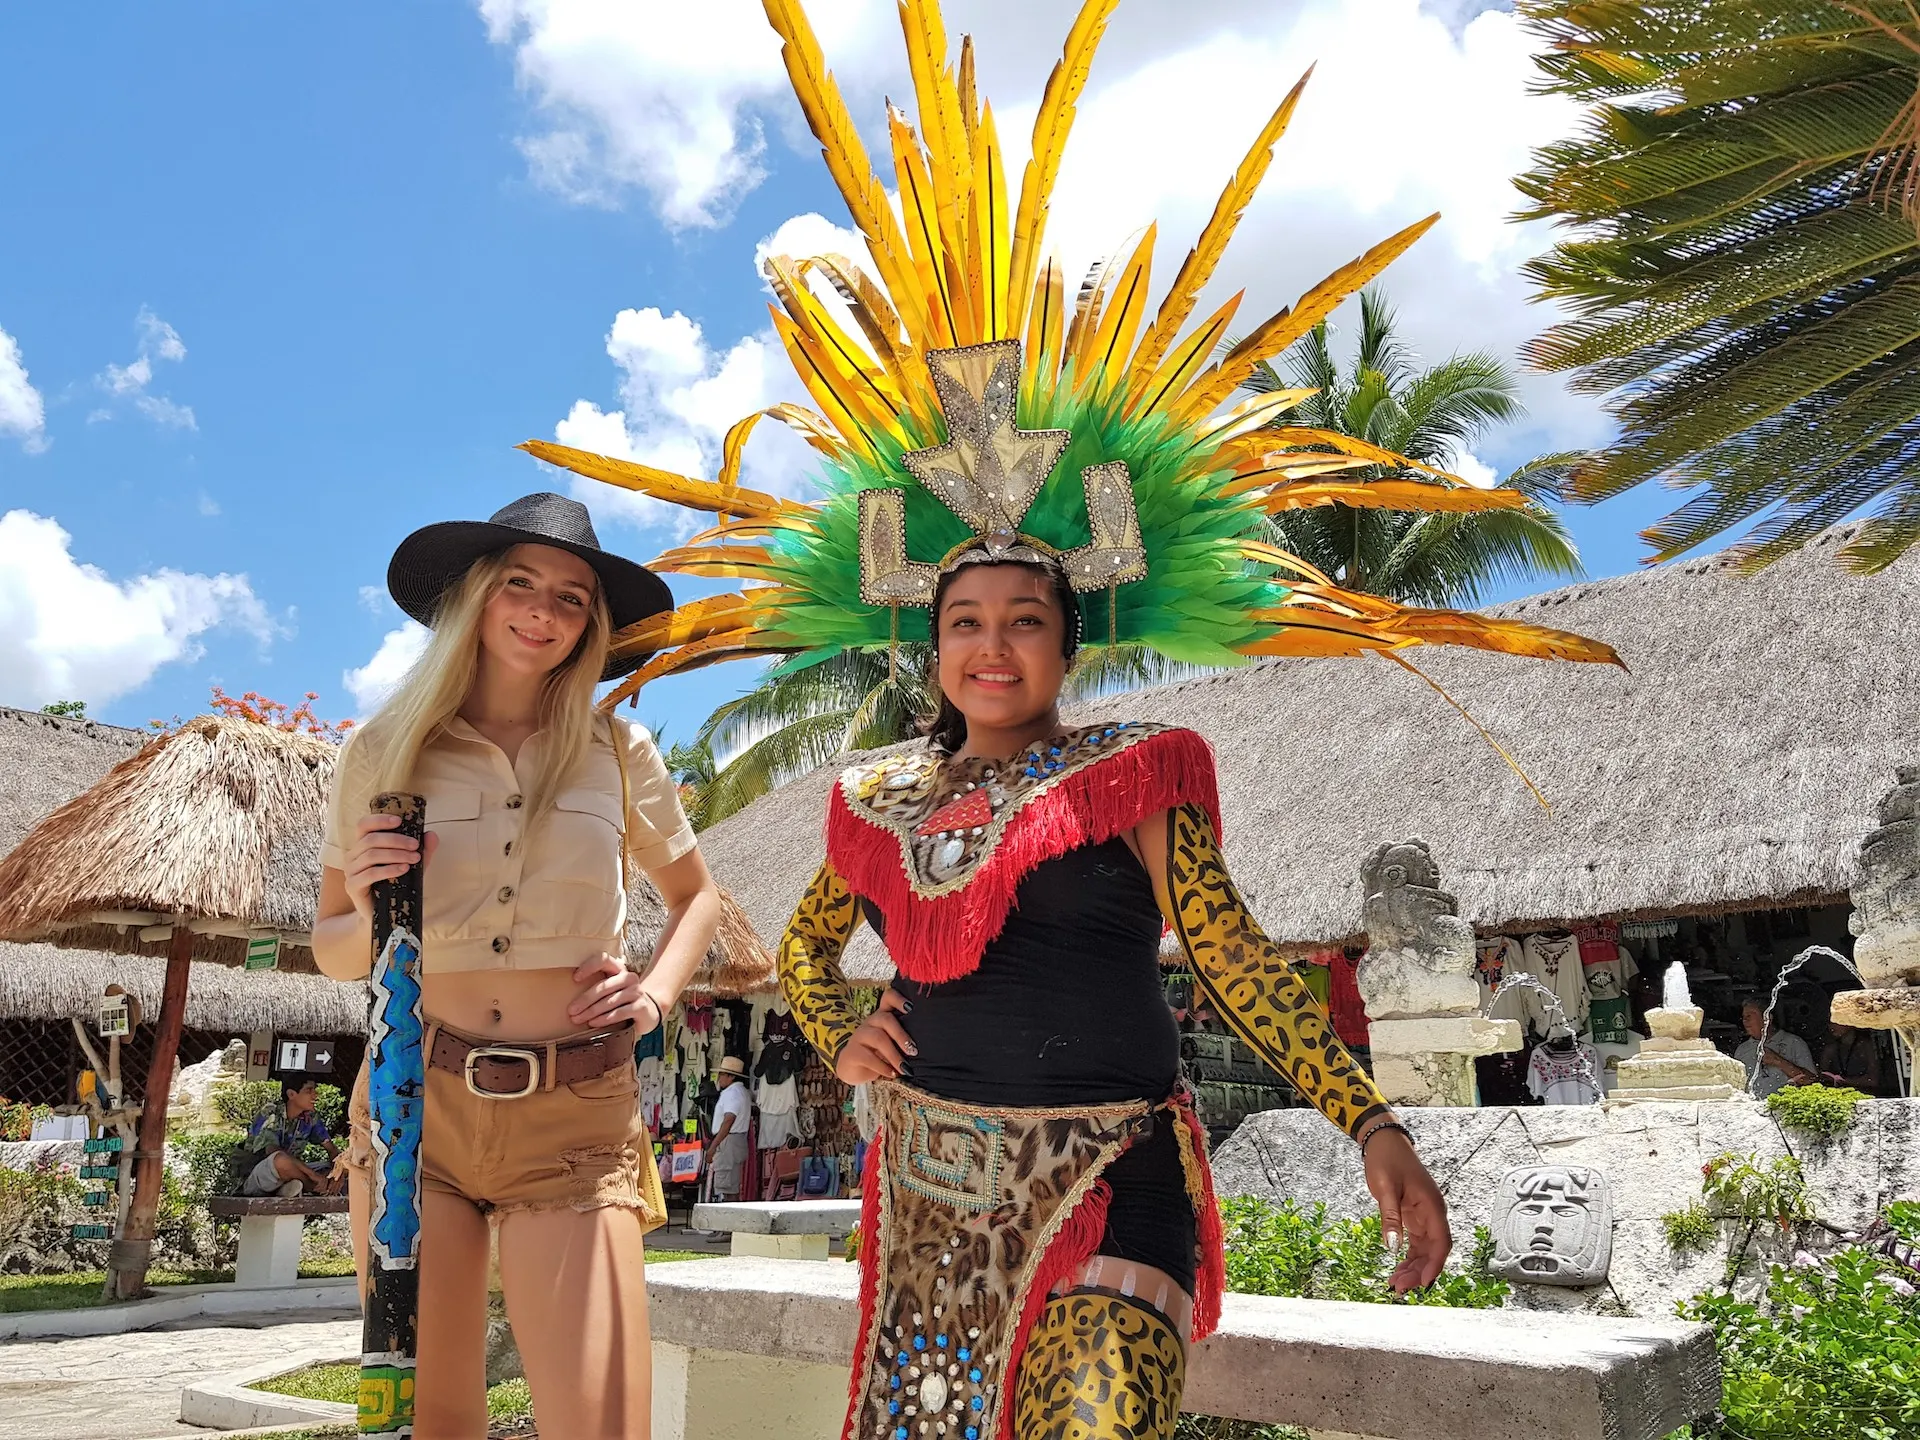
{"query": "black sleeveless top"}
(1066, 1006)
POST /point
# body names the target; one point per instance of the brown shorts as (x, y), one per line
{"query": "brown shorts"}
(577, 1147)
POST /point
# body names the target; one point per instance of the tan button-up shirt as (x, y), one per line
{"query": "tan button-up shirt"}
(501, 895)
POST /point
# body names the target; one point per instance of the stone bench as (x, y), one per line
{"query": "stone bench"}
(749, 1348)
(270, 1234)
(781, 1229)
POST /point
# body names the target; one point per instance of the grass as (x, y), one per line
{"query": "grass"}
(340, 1383)
(80, 1289)
(657, 1257)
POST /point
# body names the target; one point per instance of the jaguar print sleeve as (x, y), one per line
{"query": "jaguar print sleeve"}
(809, 961)
(1254, 987)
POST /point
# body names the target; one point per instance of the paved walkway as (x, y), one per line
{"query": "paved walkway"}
(127, 1387)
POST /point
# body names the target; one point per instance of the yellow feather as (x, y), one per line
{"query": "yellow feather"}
(866, 197)
(1179, 368)
(1411, 495)
(694, 656)
(811, 427)
(988, 237)
(1283, 329)
(969, 92)
(1250, 451)
(917, 207)
(1088, 306)
(719, 562)
(1250, 415)
(1507, 637)
(1050, 129)
(873, 391)
(949, 158)
(695, 620)
(1113, 342)
(1044, 319)
(878, 321)
(1303, 466)
(752, 525)
(831, 390)
(664, 484)
(1280, 559)
(1199, 265)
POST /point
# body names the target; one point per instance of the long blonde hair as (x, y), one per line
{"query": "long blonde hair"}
(441, 679)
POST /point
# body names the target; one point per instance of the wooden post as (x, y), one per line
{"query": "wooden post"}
(396, 1100)
(128, 1256)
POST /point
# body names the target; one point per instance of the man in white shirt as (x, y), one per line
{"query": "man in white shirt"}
(727, 1150)
(1788, 1060)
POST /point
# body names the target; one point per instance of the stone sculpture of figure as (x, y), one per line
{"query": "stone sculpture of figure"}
(1420, 952)
(1557, 1228)
(1886, 896)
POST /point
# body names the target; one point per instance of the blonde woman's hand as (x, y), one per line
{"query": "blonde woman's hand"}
(1411, 1209)
(611, 994)
(878, 1050)
(380, 852)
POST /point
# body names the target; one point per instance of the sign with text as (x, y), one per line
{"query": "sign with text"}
(116, 1017)
(263, 952)
(105, 1145)
(91, 1232)
(99, 1172)
(315, 1057)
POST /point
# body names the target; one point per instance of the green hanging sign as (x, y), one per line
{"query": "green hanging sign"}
(263, 952)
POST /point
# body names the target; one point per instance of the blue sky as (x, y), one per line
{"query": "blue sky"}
(285, 288)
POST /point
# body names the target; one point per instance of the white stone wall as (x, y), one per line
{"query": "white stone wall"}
(1652, 1154)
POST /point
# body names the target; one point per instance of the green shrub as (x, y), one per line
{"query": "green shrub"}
(17, 1118)
(237, 1105)
(1825, 1111)
(1693, 1228)
(1903, 1218)
(1286, 1250)
(1741, 1188)
(330, 1104)
(1830, 1349)
(215, 1162)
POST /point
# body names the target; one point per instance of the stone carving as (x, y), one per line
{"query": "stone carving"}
(1420, 952)
(1418, 985)
(1676, 1064)
(1886, 896)
(1553, 1226)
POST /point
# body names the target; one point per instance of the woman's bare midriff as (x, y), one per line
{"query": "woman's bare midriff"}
(503, 1004)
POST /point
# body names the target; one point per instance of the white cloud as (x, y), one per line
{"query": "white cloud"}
(1475, 471)
(373, 599)
(374, 681)
(158, 341)
(208, 506)
(22, 414)
(69, 632)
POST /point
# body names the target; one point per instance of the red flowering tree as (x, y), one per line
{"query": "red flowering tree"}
(295, 719)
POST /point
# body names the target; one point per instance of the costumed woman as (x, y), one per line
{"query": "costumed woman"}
(1014, 470)
(535, 803)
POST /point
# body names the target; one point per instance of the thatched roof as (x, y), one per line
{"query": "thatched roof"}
(219, 820)
(1734, 765)
(38, 982)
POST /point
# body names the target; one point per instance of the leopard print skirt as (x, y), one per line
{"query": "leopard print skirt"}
(973, 1215)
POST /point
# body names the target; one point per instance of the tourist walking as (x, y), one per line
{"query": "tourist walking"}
(534, 804)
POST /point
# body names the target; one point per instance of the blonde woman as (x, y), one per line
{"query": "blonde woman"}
(531, 797)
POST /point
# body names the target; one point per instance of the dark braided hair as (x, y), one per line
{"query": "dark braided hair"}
(947, 730)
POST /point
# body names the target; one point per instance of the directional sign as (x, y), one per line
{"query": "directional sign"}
(91, 1232)
(293, 1055)
(107, 1144)
(263, 952)
(97, 1198)
(320, 1057)
(99, 1172)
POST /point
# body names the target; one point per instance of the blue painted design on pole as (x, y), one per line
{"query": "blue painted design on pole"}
(395, 1098)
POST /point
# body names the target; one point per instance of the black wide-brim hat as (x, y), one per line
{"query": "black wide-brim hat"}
(432, 558)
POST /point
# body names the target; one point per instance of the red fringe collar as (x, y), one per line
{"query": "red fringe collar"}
(936, 934)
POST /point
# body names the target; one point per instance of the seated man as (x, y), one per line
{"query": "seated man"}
(277, 1136)
(1788, 1061)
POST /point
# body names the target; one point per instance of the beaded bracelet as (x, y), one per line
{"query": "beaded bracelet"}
(1383, 1126)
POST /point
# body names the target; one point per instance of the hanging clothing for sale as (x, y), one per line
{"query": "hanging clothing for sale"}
(783, 1050)
(1610, 1006)
(1494, 959)
(777, 1127)
(1345, 1008)
(1564, 1076)
(739, 1015)
(1599, 943)
(1553, 958)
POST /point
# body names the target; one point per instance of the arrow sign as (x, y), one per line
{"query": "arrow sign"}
(320, 1057)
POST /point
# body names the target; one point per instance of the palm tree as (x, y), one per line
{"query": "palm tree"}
(1745, 272)
(1431, 415)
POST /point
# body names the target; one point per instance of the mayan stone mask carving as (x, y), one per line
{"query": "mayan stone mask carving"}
(1553, 1225)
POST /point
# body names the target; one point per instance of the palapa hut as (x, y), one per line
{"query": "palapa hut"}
(1715, 790)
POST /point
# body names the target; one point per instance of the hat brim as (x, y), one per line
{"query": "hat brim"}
(433, 557)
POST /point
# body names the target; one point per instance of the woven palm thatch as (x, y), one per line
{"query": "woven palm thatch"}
(37, 983)
(218, 820)
(1734, 765)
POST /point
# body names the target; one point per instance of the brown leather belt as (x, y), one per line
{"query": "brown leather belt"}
(508, 1072)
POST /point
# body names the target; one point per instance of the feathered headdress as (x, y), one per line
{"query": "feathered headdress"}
(980, 413)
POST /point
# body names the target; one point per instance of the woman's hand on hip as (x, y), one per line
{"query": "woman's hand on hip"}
(380, 852)
(611, 994)
(878, 1050)
(1411, 1208)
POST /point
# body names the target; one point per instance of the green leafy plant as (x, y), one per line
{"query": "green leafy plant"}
(237, 1105)
(1830, 1349)
(1741, 1188)
(1693, 1228)
(330, 1104)
(214, 1162)
(1903, 1218)
(1284, 1249)
(1825, 1111)
(17, 1118)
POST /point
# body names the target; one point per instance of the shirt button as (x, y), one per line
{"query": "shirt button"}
(514, 802)
(506, 893)
(509, 849)
(501, 944)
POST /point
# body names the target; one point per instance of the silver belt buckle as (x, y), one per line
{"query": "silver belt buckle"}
(530, 1058)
